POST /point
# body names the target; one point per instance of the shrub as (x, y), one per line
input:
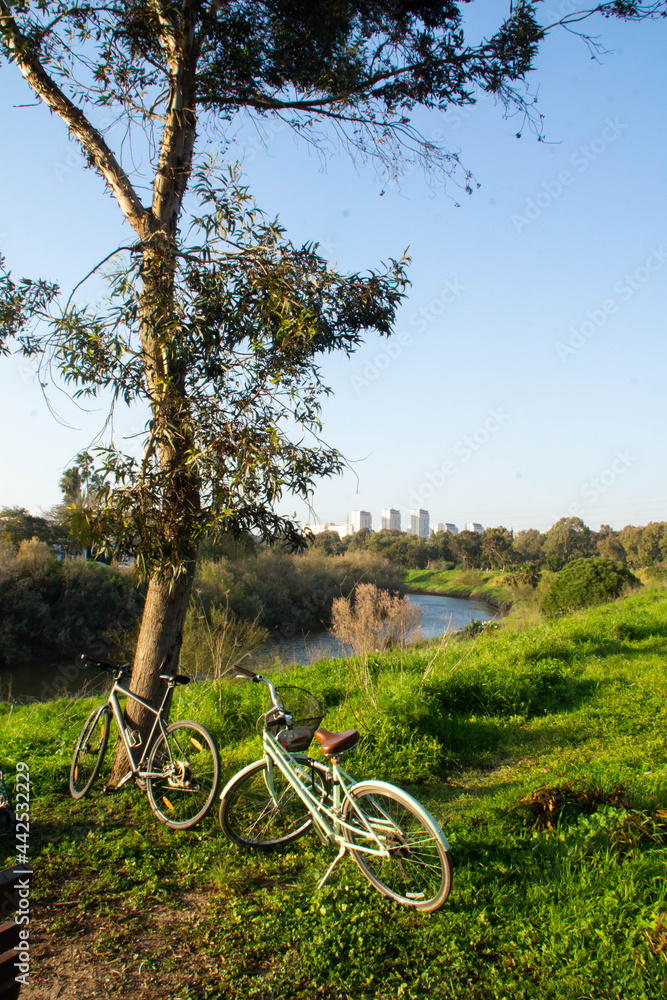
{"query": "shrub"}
(214, 640)
(61, 607)
(369, 621)
(586, 582)
(290, 592)
(376, 620)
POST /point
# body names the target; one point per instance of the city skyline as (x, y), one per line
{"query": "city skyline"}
(390, 519)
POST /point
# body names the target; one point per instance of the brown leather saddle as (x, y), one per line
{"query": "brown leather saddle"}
(335, 743)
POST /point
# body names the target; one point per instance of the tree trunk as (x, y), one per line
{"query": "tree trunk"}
(161, 632)
(158, 652)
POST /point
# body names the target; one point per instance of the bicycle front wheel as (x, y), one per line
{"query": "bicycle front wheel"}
(261, 809)
(415, 867)
(183, 774)
(89, 752)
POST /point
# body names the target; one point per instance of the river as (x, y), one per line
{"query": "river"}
(46, 679)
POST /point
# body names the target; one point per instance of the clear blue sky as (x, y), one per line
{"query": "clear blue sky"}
(526, 380)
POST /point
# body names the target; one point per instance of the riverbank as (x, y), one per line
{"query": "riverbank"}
(473, 583)
(542, 752)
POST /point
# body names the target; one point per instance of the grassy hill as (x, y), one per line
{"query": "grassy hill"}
(543, 753)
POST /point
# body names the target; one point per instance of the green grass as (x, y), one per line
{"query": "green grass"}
(473, 583)
(543, 753)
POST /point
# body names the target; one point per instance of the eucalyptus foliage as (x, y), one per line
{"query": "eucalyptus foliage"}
(252, 317)
(20, 302)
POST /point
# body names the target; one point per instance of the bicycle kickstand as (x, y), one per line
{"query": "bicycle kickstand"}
(331, 867)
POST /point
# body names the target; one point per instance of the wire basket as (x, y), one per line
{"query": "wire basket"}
(307, 713)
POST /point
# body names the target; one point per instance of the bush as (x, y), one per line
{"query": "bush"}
(290, 592)
(60, 607)
(586, 582)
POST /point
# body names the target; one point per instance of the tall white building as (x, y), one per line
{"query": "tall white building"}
(473, 526)
(445, 526)
(361, 519)
(391, 519)
(419, 520)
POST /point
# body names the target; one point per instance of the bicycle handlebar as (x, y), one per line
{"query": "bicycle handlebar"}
(247, 673)
(259, 679)
(122, 668)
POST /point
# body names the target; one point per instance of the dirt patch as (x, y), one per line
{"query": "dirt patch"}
(546, 806)
(147, 954)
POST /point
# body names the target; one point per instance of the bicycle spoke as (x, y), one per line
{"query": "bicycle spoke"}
(183, 774)
(414, 868)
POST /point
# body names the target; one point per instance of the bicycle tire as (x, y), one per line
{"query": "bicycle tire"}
(183, 774)
(251, 818)
(89, 752)
(418, 870)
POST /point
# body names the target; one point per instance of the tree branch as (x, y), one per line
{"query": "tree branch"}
(20, 50)
(178, 136)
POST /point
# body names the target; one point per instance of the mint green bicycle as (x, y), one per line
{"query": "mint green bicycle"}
(394, 840)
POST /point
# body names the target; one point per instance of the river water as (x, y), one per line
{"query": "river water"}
(46, 679)
(440, 615)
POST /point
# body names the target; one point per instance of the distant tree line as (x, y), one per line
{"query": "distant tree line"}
(524, 553)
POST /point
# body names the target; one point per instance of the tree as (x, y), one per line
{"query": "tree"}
(18, 525)
(19, 303)
(498, 548)
(609, 545)
(467, 549)
(630, 537)
(527, 575)
(568, 539)
(382, 539)
(439, 547)
(650, 547)
(328, 542)
(530, 544)
(165, 69)
(81, 486)
(359, 540)
(81, 483)
(409, 551)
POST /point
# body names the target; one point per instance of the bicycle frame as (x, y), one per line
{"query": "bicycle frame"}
(328, 823)
(113, 701)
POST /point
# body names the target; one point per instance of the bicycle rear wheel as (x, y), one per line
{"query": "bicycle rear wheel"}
(416, 868)
(183, 774)
(89, 752)
(253, 815)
